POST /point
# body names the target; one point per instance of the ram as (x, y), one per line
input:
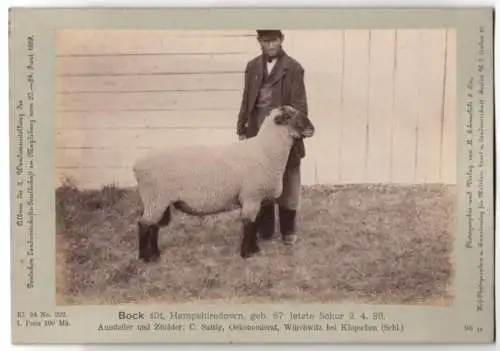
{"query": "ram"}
(203, 180)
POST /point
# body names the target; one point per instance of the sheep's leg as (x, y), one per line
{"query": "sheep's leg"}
(254, 245)
(148, 232)
(148, 242)
(249, 245)
(266, 219)
(144, 230)
(155, 230)
(153, 242)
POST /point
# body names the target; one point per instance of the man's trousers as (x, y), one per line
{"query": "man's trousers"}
(288, 204)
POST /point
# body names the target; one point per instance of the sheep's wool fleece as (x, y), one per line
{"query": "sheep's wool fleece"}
(208, 178)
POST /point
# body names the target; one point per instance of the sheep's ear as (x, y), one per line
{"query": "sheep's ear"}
(281, 119)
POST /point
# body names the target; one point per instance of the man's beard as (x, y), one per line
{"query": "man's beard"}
(276, 54)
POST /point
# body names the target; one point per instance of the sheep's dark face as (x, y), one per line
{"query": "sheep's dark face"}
(297, 122)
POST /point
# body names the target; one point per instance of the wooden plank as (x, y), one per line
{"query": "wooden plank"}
(181, 33)
(144, 101)
(449, 135)
(226, 81)
(104, 141)
(323, 78)
(133, 42)
(318, 81)
(307, 171)
(323, 145)
(380, 105)
(148, 119)
(325, 85)
(354, 105)
(209, 33)
(430, 98)
(188, 100)
(123, 176)
(127, 138)
(405, 106)
(311, 49)
(151, 64)
(109, 157)
(95, 178)
(318, 85)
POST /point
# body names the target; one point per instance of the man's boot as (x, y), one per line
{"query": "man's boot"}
(287, 225)
(265, 221)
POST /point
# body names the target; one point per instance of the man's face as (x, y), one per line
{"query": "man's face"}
(271, 46)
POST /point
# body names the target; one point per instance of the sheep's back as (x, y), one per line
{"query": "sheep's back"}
(206, 178)
(209, 177)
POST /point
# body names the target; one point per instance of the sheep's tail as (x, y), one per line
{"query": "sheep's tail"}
(184, 207)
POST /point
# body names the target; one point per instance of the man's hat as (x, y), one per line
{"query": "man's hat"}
(273, 33)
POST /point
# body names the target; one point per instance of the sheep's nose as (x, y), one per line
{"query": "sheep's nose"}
(308, 132)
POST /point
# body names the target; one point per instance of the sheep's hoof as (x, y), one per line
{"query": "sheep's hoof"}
(149, 257)
(142, 256)
(266, 235)
(255, 250)
(251, 253)
(257, 253)
(156, 256)
(247, 255)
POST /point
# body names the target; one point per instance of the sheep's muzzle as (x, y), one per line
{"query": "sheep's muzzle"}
(300, 126)
(308, 132)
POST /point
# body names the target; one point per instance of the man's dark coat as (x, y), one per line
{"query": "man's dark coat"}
(287, 81)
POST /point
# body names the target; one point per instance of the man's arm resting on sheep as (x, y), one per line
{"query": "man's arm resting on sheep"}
(243, 115)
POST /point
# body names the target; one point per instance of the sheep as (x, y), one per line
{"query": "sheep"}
(203, 180)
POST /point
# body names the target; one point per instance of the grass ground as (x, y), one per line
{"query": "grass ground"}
(363, 243)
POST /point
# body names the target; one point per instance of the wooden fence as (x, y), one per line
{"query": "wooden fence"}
(383, 101)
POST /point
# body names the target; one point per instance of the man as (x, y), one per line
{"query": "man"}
(274, 79)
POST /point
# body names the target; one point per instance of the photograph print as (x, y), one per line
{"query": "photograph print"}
(266, 165)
